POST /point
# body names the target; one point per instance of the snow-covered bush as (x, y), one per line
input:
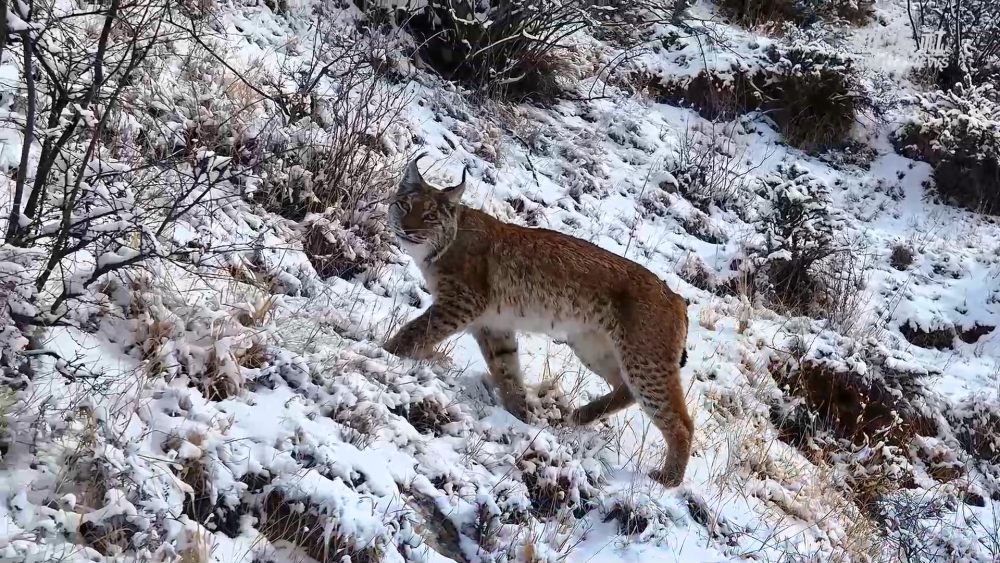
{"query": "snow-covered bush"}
(976, 423)
(802, 12)
(344, 242)
(509, 49)
(958, 133)
(714, 95)
(902, 256)
(323, 530)
(694, 271)
(557, 479)
(17, 303)
(627, 23)
(864, 412)
(797, 233)
(701, 226)
(803, 260)
(860, 400)
(813, 95)
(216, 350)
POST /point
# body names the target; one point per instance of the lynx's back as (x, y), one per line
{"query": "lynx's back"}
(496, 279)
(566, 283)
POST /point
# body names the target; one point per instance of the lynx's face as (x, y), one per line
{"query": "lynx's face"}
(421, 214)
(421, 218)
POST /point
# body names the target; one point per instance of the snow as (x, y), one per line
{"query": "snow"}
(323, 417)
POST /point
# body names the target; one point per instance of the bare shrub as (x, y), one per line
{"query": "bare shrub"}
(959, 40)
(334, 172)
(80, 197)
(199, 9)
(709, 168)
(913, 521)
(339, 114)
(843, 297)
(510, 49)
(637, 15)
(130, 175)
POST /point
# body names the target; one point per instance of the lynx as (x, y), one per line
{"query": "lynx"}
(495, 279)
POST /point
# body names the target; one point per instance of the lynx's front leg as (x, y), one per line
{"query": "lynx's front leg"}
(499, 349)
(418, 337)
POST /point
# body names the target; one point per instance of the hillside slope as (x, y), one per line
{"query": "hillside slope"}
(230, 401)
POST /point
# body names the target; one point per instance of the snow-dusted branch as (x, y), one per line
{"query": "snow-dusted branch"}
(14, 223)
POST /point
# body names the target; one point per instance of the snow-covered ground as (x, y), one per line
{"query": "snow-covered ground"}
(402, 461)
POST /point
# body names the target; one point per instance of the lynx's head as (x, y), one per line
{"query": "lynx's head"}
(423, 215)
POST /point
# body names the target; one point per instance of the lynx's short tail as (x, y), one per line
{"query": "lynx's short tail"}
(684, 357)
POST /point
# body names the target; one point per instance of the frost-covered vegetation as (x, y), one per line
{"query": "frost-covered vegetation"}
(197, 278)
(958, 132)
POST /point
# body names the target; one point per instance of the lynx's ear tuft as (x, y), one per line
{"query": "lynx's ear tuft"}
(412, 181)
(454, 193)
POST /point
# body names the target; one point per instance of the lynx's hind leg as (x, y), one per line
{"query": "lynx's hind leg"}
(499, 349)
(597, 353)
(654, 379)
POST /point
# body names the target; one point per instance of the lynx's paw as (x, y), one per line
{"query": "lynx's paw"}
(668, 481)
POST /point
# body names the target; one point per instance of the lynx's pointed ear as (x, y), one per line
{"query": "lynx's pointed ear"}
(454, 193)
(412, 181)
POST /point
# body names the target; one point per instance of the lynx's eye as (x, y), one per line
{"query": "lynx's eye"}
(430, 216)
